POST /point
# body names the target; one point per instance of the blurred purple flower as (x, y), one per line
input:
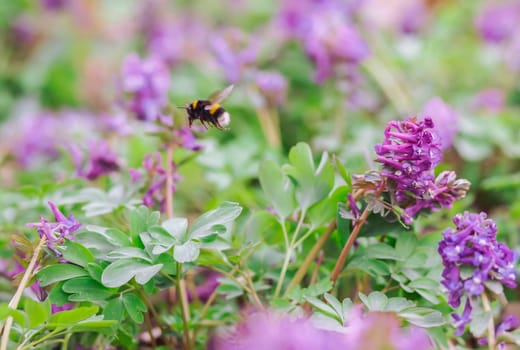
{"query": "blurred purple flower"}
(144, 84)
(413, 17)
(156, 179)
(234, 51)
(54, 5)
(100, 160)
(327, 33)
(23, 31)
(269, 331)
(374, 330)
(496, 22)
(491, 100)
(205, 288)
(186, 139)
(56, 232)
(444, 118)
(272, 86)
(473, 246)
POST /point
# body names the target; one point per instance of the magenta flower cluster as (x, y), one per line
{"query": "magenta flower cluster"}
(145, 84)
(56, 232)
(100, 160)
(471, 256)
(409, 153)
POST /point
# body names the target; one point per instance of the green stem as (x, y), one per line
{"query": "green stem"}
(289, 249)
(185, 309)
(491, 325)
(13, 304)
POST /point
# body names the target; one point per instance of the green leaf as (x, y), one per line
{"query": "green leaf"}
(86, 289)
(141, 219)
(134, 307)
(38, 312)
(69, 317)
(277, 188)
(229, 288)
(176, 227)
(325, 210)
(398, 304)
(323, 307)
(427, 288)
(423, 317)
(312, 184)
(375, 301)
(335, 304)
(225, 213)
(128, 252)
(58, 296)
(94, 325)
(479, 323)
(382, 251)
(120, 272)
(76, 253)
(59, 272)
(186, 252)
(114, 310)
(319, 288)
(406, 244)
(264, 225)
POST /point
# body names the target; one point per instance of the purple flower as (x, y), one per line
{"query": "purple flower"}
(56, 232)
(472, 246)
(234, 51)
(100, 160)
(327, 33)
(491, 100)
(272, 86)
(156, 179)
(460, 321)
(186, 139)
(55, 308)
(145, 84)
(497, 22)
(269, 331)
(54, 5)
(444, 118)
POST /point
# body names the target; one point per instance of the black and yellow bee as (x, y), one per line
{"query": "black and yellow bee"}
(210, 111)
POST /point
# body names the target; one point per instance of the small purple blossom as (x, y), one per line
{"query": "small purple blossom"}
(54, 5)
(497, 22)
(100, 160)
(234, 51)
(186, 139)
(491, 100)
(156, 179)
(272, 86)
(144, 84)
(444, 118)
(56, 232)
(472, 244)
(55, 308)
(460, 321)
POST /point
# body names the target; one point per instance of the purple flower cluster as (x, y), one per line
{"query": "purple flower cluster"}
(144, 84)
(375, 331)
(272, 86)
(156, 180)
(56, 232)
(472, 256)
(409, 153)
(326, 31)
(100, 160)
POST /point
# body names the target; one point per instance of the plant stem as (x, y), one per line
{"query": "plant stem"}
(13, 303)
(288, 253)
(169, 181)
(302, 270)
(185, 310)
(491, 324)
(344, 252)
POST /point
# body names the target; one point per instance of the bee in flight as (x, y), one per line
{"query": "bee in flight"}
(210, 111)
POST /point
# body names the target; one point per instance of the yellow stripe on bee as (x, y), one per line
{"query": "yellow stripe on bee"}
(194, 104)
(214, 108)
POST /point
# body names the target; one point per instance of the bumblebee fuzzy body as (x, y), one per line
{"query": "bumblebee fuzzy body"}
(210, 111)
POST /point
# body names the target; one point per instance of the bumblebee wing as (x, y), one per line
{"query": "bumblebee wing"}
(221, 95)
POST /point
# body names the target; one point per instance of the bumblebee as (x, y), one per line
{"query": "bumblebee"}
(210, 111)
